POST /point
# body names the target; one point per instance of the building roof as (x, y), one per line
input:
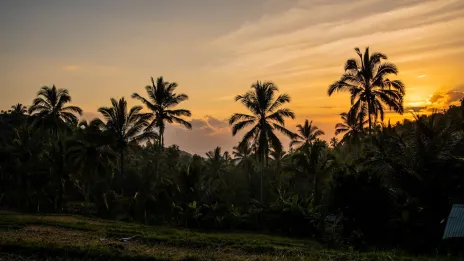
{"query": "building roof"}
(455, 224)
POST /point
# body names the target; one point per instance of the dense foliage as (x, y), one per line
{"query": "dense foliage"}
(381, 185)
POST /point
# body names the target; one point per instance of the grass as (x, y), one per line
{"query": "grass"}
(61, 237)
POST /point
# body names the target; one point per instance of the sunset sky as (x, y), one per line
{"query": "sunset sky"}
(215, 49)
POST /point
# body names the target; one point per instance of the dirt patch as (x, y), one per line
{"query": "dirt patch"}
(55, 235)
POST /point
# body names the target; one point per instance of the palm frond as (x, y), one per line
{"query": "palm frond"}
(241, 125)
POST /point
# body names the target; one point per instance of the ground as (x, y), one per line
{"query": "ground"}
(62, 237)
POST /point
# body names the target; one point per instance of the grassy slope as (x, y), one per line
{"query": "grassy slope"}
(53, 237)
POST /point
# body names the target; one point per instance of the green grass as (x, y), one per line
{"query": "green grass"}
(61, 237)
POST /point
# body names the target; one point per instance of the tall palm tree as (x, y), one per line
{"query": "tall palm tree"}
(267, 116)
(51, 111)
(371, 91)
(353, 127)
(50, 108)
(127, 126)
(161, 102)
(307, 134)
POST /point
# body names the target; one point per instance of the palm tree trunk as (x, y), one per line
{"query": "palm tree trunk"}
(121, 170)
(370, 124)
(121, 164)
(316, 194)
(161, 139)
(60, 181)
(369, 108)
(261, 183)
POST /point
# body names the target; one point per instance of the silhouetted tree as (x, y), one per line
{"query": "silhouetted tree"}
(371, 91)
(352, 128)
(50, 109)
(161, 102)
(127, 126)
(267, 117)
(307, 133)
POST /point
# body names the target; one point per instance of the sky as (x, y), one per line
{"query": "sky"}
(215, 50)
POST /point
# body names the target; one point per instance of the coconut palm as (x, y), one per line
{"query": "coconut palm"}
(242, 153)
(51, 110)
(307, 134)
(26, 152)
(352, 127)
(308, 160)
(161, 102)
(216, 164)
(371, 91)
(278, 157)
(333, 142)
(216, 159)
(267, 116)
(127, 126)
(18, 109)
(90, 157)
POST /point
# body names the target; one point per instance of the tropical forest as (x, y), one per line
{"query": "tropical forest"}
(110, 188)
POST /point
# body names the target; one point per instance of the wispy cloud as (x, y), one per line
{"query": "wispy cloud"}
(306, 38)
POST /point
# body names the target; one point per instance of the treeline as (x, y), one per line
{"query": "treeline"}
(380, 185)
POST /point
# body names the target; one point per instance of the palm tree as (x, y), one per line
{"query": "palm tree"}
(333, 142)
(307, 134)
(126, 126)
(267, 117)
(216, 159)
(161, 102)
(18, 109)
(216, 164)
(50, 108)
(309, 160)
(353, 127)
(90, 157)
(27, 153)
(242, 154)
(371, 92)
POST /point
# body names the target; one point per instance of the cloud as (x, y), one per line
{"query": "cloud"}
(198, 123)
(216, 123)
(456, 95)
(206, 134)
(310, 38)
(436, 97)
(415, 108)
(442, 99)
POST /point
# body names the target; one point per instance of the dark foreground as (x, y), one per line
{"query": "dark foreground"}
(55, 237)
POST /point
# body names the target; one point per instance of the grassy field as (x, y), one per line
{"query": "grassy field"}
(58, 237)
